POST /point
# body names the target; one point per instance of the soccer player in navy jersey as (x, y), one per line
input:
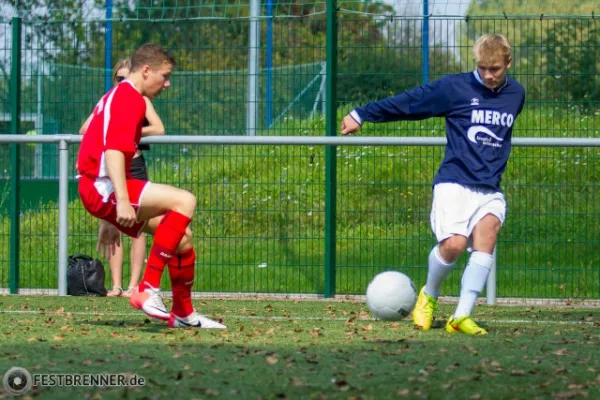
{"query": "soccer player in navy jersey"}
(468, 206)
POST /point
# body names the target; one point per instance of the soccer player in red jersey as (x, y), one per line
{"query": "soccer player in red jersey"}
(132, 206)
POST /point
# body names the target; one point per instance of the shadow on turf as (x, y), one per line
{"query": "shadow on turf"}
(441, 324)
(145, 325)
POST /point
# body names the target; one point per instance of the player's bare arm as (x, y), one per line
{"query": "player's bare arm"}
(115, 162)
(85, 124)
(155, 126)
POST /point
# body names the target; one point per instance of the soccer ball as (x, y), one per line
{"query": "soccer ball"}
(391, 296)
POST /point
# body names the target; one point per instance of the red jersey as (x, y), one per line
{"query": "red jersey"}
(116, 125)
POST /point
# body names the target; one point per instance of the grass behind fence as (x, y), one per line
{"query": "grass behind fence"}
(260, 220)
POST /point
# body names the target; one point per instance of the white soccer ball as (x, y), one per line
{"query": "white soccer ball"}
(391, 296)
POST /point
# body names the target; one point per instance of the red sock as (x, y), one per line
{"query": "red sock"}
(181, 271)
(169, 233)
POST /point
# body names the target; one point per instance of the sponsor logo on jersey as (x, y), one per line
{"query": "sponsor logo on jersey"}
(490, 117)
(483, 135)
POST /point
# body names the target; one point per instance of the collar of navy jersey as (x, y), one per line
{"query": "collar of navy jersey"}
(498, 89)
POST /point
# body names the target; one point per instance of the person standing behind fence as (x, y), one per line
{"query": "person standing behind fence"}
(152, 126)
(131, 206)
(468, 205)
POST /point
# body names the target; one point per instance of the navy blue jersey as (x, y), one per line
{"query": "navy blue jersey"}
(479, 123)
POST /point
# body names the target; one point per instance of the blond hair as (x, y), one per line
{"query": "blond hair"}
(490, 46)
(123, 63)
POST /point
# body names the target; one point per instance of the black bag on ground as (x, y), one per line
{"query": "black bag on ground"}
(85, 276)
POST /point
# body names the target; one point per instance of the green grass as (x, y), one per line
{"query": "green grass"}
(302, 349)
(266, 205)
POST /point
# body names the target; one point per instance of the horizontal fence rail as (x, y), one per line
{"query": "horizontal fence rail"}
(65, 140)
(306, 140)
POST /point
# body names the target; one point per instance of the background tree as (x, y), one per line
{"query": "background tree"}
(555, 58)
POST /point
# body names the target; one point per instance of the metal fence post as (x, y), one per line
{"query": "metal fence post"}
(331, 124)
(15, 164)
(108, 47)
(253, 65)
(63, 211)
(425, 42)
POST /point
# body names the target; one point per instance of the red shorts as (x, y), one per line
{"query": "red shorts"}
(98, 198)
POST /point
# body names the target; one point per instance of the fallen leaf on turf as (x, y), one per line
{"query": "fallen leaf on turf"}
(341, 384)
(574, 386)
(569, 394)
(315, 332)
(272, 360)
(403, 392)
(517, 372)
(560, 352)
(296, 382)
(560, 371)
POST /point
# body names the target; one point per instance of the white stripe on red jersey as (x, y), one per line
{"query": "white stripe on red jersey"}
(116, 125)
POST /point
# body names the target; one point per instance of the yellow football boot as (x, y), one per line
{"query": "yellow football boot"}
(424, 309)
(465, 325)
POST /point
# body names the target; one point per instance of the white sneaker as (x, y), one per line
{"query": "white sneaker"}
(194, 320)
(150, 302)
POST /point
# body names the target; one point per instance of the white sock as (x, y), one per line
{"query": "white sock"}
(473, 282)
(437, 272)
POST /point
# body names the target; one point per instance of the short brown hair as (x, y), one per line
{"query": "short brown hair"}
(488, 46)
(152, 55)
(123, 63)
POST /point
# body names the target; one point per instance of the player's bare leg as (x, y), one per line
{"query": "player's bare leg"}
(116, 271)
(168, 211)
(441, 261)
(138, 254)
(475, 276)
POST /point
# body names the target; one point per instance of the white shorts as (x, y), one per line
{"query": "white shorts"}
(456, 209)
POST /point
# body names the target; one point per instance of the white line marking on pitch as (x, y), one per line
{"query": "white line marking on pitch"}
(280, 318)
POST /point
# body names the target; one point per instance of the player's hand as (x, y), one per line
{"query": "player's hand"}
(349, 125)
(109, 238)
(126, 214)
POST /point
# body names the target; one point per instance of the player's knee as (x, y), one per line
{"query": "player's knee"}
(185, 203)
(190, 201)
(452, 248)
(186, 241)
